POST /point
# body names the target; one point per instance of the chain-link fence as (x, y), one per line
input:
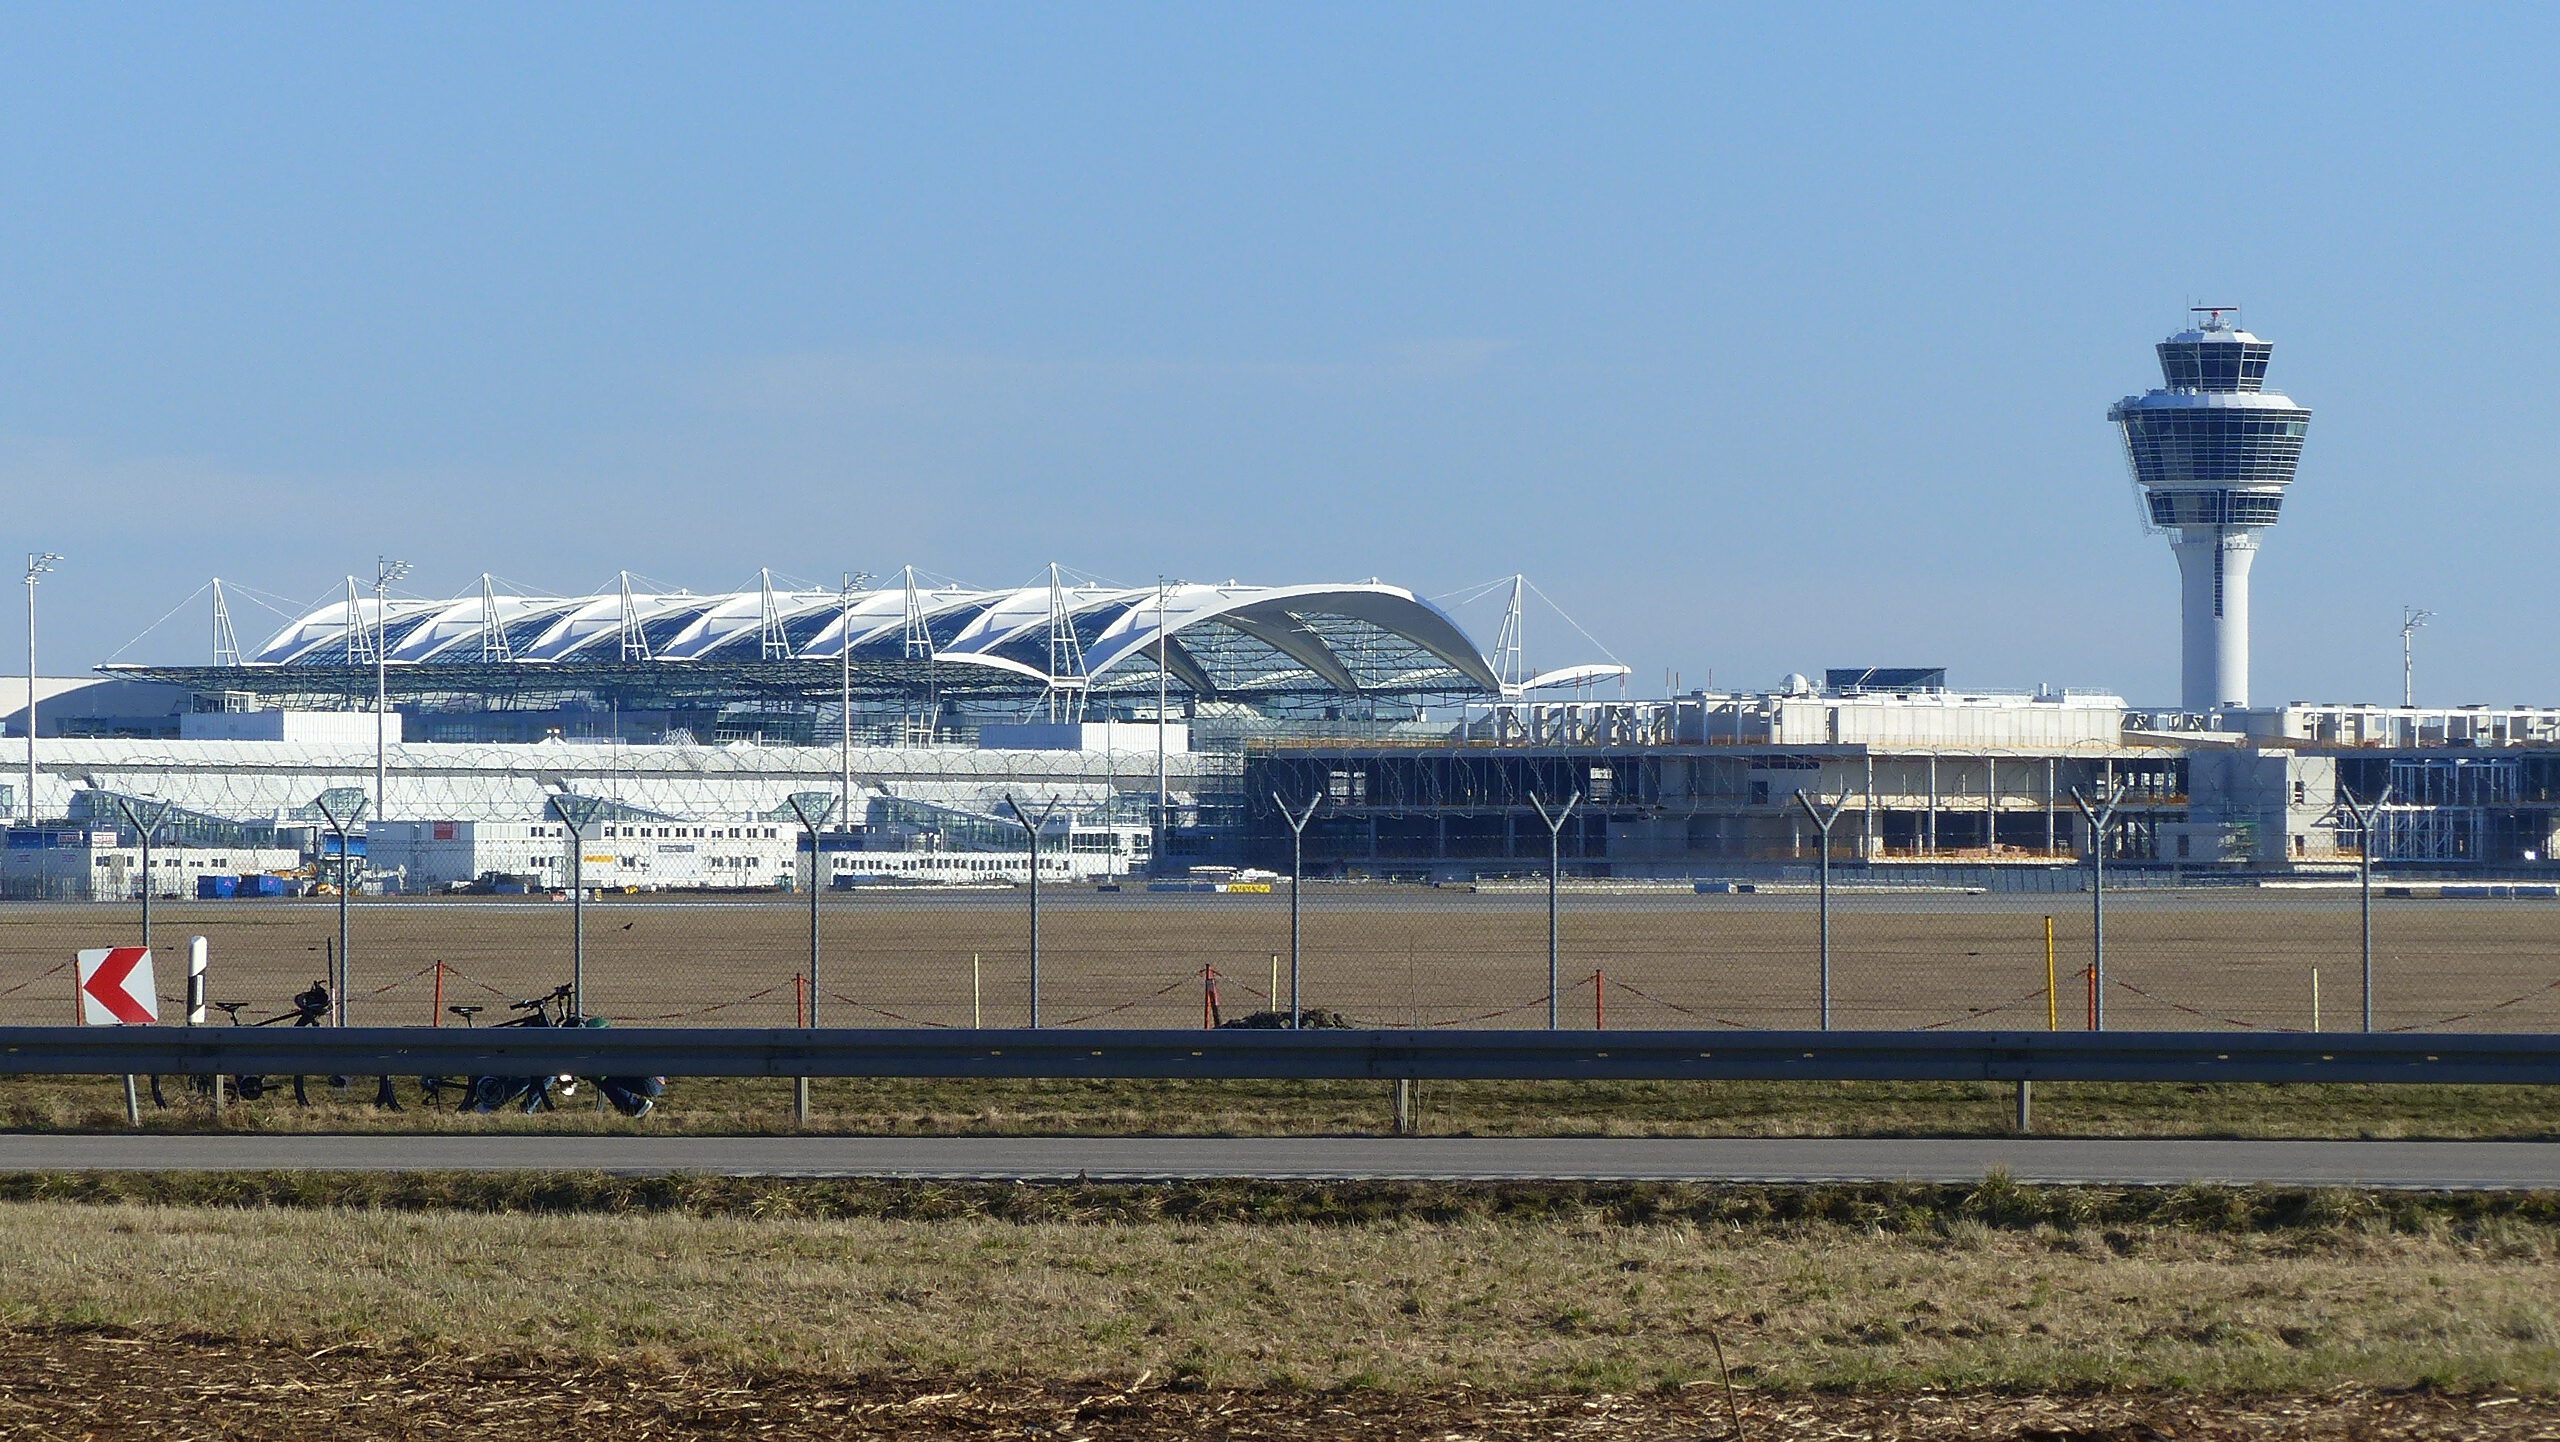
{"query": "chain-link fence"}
(2444, 956)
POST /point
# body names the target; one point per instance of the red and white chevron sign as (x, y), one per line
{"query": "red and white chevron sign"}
(116, 988)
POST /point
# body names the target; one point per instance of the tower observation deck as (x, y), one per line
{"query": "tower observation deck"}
(2213, 452)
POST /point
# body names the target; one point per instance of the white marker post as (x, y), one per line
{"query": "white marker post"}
(196, 1003)
(195, 981)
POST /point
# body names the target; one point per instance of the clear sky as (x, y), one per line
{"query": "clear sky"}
(1762, 339)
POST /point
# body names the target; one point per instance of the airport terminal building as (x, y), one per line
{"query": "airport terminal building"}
(1163, 727)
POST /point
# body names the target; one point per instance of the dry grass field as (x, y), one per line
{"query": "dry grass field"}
(583, 1308)
(1395, 958)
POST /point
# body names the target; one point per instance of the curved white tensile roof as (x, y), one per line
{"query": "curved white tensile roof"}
(1351, 637)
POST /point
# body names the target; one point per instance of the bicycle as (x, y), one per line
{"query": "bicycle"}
(309, 1008)
(632, 1096)
(536, 1011)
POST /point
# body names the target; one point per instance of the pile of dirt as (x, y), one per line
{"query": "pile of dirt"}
(111, 1386)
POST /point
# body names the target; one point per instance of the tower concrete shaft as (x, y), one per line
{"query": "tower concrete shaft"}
(2213, 452)
(2213, 593)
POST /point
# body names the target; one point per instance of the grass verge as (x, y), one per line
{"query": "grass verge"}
(1281, 1288)
(1279, 1108)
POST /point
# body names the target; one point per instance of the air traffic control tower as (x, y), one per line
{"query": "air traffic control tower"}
(2213, 453)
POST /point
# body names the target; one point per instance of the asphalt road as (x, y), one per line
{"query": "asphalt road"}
(2451, 1165)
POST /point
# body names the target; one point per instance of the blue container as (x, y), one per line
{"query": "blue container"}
(217, 888)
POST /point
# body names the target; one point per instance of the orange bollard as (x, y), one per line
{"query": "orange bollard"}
(435, 1017)
(799, 1001)
(1599, 1000)
(2091, 972)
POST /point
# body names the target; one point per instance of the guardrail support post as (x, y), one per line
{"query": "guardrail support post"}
(1404, 1123)
(2026, 1105)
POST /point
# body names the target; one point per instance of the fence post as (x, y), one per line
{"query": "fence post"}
(576, 814)
(196, 1007)
(2052, 992)
(1025, 821)
(2099, 818)
(144, 827)
(1555, 870)
(1297, 883)
(1824, 821)
(2365, 816)
(816, 880)
(346, 870)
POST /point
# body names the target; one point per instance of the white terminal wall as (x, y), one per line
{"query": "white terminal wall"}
(653, 855)
(1084, 736)
(319, 728)
(262, 780)
(1949, 719)
(95, 868)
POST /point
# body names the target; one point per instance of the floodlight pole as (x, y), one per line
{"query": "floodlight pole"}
(1824, 821)
(2099, 818)
(1555, 867)
(844, 710)
(2365, 815)
(385, 571)
(1164, 810)
(38, 563)
(2411, 618)
(1033, 827)
(1297, 883)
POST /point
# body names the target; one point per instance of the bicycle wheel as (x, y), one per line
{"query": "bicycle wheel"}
(489, 1093)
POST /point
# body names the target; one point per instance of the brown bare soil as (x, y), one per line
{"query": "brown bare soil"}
(111, 1385)
(1383, 956)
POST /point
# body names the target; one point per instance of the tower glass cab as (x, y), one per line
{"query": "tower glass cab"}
(2213, 451)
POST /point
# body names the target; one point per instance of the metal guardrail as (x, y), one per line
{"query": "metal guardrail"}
(2527, 1058)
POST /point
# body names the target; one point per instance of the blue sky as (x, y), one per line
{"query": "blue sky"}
(1762, 339)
